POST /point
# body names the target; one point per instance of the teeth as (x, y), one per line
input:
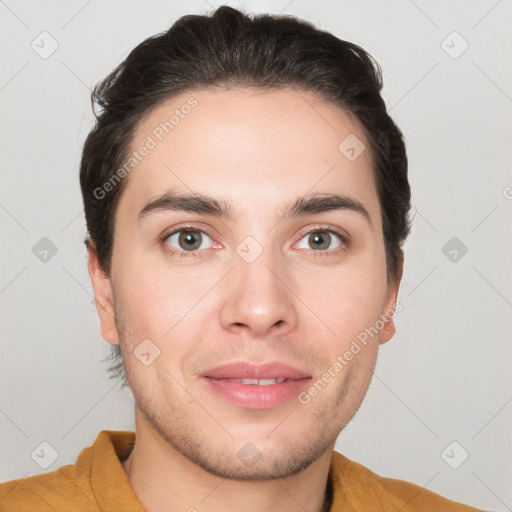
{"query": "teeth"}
(266, 382)
(260, 382)
(248, 381)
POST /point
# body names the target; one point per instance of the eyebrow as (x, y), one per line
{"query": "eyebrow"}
(219, 207)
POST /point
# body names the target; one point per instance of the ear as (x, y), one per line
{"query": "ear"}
(391, 307)
(103, 297)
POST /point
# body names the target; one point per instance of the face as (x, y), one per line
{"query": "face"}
(213, 298)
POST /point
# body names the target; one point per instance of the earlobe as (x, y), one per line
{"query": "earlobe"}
(387, 332)
(103, 297)
(389, 329)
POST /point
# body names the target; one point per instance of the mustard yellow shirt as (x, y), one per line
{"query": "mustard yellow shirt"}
(97, 482)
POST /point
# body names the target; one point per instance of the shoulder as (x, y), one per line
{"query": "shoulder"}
(46, 493)
(76, 486)
(362, 486)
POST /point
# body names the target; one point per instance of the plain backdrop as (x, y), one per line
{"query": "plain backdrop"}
(445, 376)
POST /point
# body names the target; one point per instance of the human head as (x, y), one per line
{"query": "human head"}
(259, 106)
(229, 49)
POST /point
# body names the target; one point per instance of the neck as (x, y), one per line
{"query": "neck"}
(164, 480)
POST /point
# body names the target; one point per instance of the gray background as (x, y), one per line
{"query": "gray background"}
(446, 374)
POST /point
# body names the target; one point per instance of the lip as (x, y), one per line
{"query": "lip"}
(248, 370)
(256, 396)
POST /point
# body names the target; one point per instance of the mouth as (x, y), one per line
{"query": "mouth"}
(251, 386)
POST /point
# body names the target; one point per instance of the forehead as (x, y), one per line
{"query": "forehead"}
(268, 146)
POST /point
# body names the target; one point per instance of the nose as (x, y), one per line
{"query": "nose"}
(259, 299)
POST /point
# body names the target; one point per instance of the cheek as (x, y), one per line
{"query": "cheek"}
(168, 305)
(155, 306)
(346, 301)
(153, 300)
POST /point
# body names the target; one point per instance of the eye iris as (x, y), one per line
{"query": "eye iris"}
(321, 237)
(190, 240)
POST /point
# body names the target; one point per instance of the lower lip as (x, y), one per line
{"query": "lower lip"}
(254, 396)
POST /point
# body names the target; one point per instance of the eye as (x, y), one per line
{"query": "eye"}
(321, 240)
(188, 240)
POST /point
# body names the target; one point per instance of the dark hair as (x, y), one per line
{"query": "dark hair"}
(229, 49)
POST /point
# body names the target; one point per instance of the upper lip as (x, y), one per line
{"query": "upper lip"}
(248, 370)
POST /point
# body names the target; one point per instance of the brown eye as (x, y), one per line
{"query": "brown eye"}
(321, 240)
(189, 240)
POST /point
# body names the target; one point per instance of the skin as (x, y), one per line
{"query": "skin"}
(295, 303)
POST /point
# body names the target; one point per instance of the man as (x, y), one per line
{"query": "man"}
(246, 199)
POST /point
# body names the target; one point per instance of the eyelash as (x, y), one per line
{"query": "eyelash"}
(193, 254)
